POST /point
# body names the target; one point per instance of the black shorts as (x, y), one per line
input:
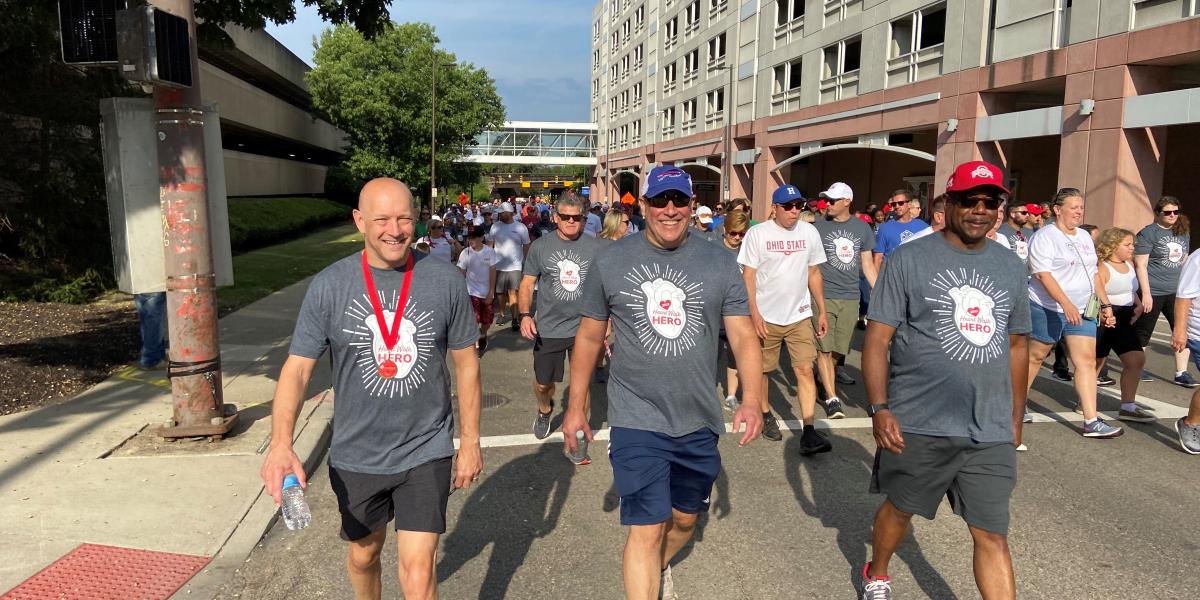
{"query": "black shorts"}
(415, 498)
(1120, 339)
(550, 357)
(977, 478)
(726, 350)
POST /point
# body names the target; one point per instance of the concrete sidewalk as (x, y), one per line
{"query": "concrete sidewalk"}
(90, 470)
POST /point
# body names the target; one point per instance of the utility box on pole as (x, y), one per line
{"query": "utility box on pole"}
(153, 46)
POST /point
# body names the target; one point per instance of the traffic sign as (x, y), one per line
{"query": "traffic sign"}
(586, 191)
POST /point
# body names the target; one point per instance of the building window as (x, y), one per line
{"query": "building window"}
(612, 107)
(670, 33)
(595, 59)
(613, 43)
(839, 70)
(668, 119)
(715, 105)
(916, 46)
(692, 20)
(624, 66)
(668, 78)
(689, 114)
(637, 57)
(787, 11)
(716, 51)
(785, 91)
(637, 94)
(691, 66)
(639, 17)
(715, 7)
(839, 10)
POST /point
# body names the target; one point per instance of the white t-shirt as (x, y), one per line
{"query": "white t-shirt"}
(1050, 251)
(439, 247)
(782, 258)
(508, 240)
(477, 266)
(1003, 241)
(1189, 287)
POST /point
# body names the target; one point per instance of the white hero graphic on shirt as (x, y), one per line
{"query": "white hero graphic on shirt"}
(971, 315)
(843, 243)
(667, 306)
(569, 272)
(400, 370)
(1173, 250)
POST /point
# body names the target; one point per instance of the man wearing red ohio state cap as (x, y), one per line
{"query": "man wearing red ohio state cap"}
(946, 406)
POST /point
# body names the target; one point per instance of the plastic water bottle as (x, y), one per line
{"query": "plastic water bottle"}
(580, 455)
(295, 510)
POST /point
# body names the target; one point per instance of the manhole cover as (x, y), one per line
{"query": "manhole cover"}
(489, 400)
(94, 572)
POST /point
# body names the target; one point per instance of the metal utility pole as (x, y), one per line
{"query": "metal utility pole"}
(194, 365)
(727, 160)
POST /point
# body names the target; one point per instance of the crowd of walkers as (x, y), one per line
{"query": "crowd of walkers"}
(961, 299)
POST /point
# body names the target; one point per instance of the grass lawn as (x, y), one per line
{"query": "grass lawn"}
(258, 273)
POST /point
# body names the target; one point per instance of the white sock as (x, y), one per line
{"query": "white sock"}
(830, 399)
(1130, 406)
(1090, 421)
(730, 398)
(1179, 373)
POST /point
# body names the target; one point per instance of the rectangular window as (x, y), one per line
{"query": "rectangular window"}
(637, 94)
(933, 27)
(780, 79)
(637, 130)
(716, 49)
(716, 101)
(795, 75)
(637, 56)
(639, 16)
(668, 118)
(852, 55)
(787, 11)
(669, 75)
(670, 32)
(689, 111)
(693, 14)
(788, 76)
(691, 62)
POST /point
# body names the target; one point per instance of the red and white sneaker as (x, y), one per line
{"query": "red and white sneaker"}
(875, 588)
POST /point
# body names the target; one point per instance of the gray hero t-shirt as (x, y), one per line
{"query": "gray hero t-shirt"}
(562, 268)
(953, 311)
(843, 244)
(1167, 254)
(666, 308)
(385, 425)
(1017, 243)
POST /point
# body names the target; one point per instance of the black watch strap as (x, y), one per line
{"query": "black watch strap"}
(874, 408)
(523, 315)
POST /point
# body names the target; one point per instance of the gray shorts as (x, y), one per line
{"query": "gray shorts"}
(977, 478)
(507, 280)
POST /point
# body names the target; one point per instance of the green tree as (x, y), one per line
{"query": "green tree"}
(380, 92)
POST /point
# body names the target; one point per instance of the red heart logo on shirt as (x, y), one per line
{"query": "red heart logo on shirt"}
(569, 273)
(974, 310)
(665, 304)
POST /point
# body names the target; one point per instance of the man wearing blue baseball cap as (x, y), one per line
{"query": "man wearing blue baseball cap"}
(666, 294)
(781, 261)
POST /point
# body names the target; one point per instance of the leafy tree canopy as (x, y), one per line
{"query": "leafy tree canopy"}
(368, 16)
(380, 92)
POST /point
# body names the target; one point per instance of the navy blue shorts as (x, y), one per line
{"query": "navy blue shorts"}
(655, 472)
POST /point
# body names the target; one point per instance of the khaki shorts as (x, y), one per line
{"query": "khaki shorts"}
(801, 344)
(842, 315)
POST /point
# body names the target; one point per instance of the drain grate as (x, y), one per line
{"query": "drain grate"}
(489, 400)
(96, 572)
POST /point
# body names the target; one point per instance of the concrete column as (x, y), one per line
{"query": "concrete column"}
(1120, 171)
(958, 146)
(765, 180)
(741, 182)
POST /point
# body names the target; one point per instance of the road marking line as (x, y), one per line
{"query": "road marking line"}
(1162, 410)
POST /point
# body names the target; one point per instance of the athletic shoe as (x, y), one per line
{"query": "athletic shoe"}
(1022, 448)
(1028, 418)
(770, 428)
(841, 377)
(1144, 406)
(1105, 381)
(731, 403)
(1186, 380)
(813, 442)
(875, 588)
(861, 325)
(833, 408)
(541, 425)
(1189, 437)
(481, 347)
(1100, 429)
(516, 326)
(1061, 375)
(1146, 376)
(1136, 415)
(666, 586)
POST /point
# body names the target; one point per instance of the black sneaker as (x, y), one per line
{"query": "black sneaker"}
(833, 409)
(541, 424)
(813, 442)
(516, 326)
(1105, 381)
(770, 428)
(843, 378)
(1061, 375)
(481, 347)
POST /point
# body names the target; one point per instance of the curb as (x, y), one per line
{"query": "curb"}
(310, 444)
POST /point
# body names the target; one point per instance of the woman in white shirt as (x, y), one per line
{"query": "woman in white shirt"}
(438, 243)
(1062, 259)
(1119, 279)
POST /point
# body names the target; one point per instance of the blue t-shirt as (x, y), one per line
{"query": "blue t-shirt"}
(893, 233)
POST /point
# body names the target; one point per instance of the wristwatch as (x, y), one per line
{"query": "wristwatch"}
(875, 408)
(523, 315)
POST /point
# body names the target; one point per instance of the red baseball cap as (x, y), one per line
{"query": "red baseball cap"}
(973, 174)
(1034, 209)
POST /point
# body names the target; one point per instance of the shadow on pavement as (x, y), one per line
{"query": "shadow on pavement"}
(839, 482)
(720, 508)
(519, 503)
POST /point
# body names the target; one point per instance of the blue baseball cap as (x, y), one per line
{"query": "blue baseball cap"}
(668, 178)
(786, 193)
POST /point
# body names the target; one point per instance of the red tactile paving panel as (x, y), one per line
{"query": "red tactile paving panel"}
(95, 572)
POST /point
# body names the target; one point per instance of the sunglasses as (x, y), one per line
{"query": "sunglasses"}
(1021, 212)
(897, 204)
(735, 234)
(989, 202)
(1167, 213)
(624, 221)
(676, 199)
(793, 205)
(571, 218)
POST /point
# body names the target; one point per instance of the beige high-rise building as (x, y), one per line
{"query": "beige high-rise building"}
(1102, 95)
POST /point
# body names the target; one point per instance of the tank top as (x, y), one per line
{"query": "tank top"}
(1121, 286)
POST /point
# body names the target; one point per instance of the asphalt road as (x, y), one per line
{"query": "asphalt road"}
(1091, 518)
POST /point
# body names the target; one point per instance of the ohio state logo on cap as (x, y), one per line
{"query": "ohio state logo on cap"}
(976, 173)
(982, 172)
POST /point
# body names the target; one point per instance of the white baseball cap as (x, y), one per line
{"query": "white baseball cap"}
(704, 214)
(506, 207)
(838, 191)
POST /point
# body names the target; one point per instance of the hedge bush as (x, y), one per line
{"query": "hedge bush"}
(257, 222)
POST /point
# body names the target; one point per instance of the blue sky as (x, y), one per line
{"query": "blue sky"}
(537, 51)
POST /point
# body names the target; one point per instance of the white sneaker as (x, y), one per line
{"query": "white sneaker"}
(731, 403)
(1022, 448)
(666, 587)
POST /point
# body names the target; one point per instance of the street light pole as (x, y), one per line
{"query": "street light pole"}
(726, 161)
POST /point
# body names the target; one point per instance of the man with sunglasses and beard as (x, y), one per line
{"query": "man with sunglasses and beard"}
(946, 407)
(665, 292)
(1016, 231)
(781, 261)
(560, 264)
(896, 231)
